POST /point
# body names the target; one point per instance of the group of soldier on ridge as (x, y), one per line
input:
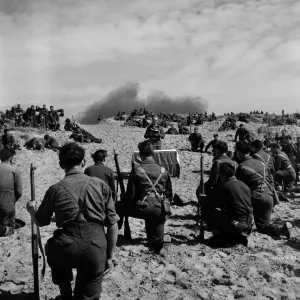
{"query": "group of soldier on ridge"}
(241, 191)
(33, 116)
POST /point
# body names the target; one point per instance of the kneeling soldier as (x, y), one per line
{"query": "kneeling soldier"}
(148, 181)
(229, 212)
(82, 206)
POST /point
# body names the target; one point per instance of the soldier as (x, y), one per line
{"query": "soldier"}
(289, 149)
(284, 171)
(196, 140)
(44, 110)
(19, 110)
(53, 119)
(82, 206)
(8, 140)
(182, 129)
(30, 113)
(20, 121)
(253, 173)
(143, 201)
(68, 125)
(172, 130)
(212, 142)
(51, 143)
(101, 171)
(259, 154)
(155, 134)
(34, 144)
(297, 167)
(220, 156)
(229, 213)
(10, 191)
(242, 133)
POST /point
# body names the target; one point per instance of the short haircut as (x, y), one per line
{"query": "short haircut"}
(7, 154)
(243, 147)
(71, 155)
(46, 136)
(5, 130)
(258, 144)
(146, 148)
(99, 155)
(227, 169)
(275, 146)
(288, 137)
(241, 125)
(221, 146)
(216, 135)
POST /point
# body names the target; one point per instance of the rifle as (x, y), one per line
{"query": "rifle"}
(202, 194)
(127, 232)
(36, 242)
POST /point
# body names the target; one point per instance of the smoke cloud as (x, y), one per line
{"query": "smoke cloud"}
(125, 98)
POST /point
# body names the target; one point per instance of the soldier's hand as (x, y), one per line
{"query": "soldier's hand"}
(108, 267)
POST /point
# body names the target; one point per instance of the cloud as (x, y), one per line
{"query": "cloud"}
(237, 54)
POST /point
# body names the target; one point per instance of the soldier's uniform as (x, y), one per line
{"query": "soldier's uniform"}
(80, 242)
(10, 192)
(267, 160)
(210, 144)
(172, 130)
(8, 141)
(155, 134)
(230, 210)
(284, 171)
(34, 144)
(183, 130)
(141, 202)
(99, 170)
(197, 142)
(214, 178)
(242, 134)
(253, 172)
(51, 143)
(291, 153)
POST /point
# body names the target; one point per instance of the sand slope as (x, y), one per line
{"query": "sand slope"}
(269, 269)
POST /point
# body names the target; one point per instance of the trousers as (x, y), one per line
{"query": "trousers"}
(80, 246)
(151, 211)
(288, 177)
(7, 211)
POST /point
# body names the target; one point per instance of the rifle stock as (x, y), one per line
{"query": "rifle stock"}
(34, 240)
(127, 231)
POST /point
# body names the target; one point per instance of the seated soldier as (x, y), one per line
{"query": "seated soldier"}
(143, 201)
(51, 143)
(78, 137)
(99, 170)
(10, 191)
(196, 140)
(8, 140)
(290, 150)
(284, 171)
(212, 143)
(229, 212)
(182, 129)
(68, 125)
(20, 121)
(34, 144)
(172, 130)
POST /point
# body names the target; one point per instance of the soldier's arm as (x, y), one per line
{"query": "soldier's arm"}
(130, 191)
(207, 146)
(168, 187)
(147, 133)
(18, 186)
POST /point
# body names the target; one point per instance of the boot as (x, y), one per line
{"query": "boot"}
(65, 289)
(9, 231)
(289, 230)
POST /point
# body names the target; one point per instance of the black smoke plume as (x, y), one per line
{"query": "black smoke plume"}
(125, 98)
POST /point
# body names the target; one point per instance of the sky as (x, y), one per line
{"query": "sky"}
(238, 55)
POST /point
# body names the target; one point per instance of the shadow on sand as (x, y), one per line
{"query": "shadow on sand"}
(21, 296)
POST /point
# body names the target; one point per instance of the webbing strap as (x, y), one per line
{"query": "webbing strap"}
(266, 162)
(162, 171)
(80, 200)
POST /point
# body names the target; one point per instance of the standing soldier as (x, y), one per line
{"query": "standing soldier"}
(196, 140)
(10, 191)
(155, 134)
(242, 133)
(99, 170)
(284, 171)
(253, 172)
(82, 206)
(142, 199)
